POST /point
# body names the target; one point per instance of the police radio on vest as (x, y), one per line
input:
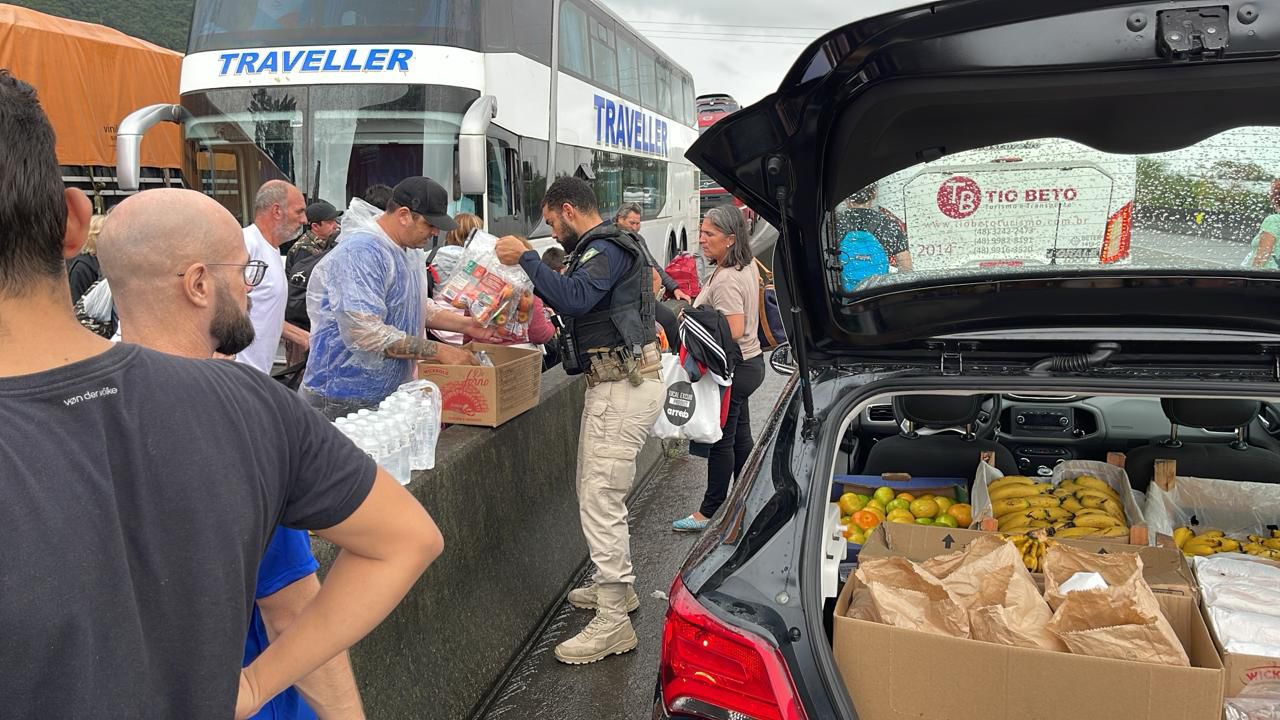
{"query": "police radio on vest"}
(317, 60)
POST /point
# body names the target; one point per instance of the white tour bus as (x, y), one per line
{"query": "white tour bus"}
(336, 96)
(1038, 202)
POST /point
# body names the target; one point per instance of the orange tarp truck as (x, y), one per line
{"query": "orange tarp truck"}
(89, 78)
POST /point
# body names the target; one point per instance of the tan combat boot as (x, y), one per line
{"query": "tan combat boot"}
(608, 633)
(585, 598)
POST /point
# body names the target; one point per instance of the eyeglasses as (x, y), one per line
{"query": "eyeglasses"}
(254, 271)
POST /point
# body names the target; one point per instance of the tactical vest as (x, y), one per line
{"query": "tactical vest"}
(624, 317)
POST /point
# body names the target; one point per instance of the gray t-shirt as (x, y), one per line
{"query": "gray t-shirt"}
(140, 491)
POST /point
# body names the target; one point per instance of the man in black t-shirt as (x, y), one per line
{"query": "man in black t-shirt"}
(859, 213)
(140, 490)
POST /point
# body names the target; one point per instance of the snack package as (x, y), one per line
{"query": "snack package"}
(496, 295)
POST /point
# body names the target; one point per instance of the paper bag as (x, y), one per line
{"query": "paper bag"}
(1061, 562)
(904, 595)
(1121, 622)
(992, 584)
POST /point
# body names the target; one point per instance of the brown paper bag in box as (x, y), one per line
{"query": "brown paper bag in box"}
(1122, 622)
(904, 595)
(1062, 561)
(992, 583)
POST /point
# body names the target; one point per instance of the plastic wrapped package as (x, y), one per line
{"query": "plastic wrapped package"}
(496, 295)
(1236, 508)
(1242, 596)
(365, 290)
(1258, 701)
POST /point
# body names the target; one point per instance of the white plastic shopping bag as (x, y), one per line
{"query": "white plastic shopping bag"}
(690, 410)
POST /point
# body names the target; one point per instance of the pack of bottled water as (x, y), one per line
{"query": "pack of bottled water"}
(401, 434)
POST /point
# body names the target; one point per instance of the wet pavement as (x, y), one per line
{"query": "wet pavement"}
(621, 686)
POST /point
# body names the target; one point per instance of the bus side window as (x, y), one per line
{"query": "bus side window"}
(503, 205)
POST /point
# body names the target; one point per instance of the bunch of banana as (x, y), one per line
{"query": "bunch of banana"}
(1211, 542)
(1032, 547)
(1083, 507)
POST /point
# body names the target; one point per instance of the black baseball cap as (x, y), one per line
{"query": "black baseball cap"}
(320, 211)
(427, 198)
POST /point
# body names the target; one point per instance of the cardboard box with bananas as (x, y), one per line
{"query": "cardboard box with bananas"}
(1082, 499)
(930, 633)
(1205, 516)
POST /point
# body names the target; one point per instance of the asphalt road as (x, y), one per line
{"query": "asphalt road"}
(1166, 250)
(621, 686)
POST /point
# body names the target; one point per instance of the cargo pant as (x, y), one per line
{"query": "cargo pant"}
(616, 422)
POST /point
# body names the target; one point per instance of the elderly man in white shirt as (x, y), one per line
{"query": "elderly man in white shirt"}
(279, 212)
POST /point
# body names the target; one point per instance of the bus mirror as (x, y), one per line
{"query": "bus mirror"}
(473, 146)
(129, 140)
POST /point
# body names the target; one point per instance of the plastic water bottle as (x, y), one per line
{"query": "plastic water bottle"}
(366, 442)
(396, 451)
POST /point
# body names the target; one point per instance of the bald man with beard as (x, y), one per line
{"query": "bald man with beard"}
(200, 311)
(176, 291)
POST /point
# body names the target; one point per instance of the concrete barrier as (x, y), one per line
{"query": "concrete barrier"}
(505, 501)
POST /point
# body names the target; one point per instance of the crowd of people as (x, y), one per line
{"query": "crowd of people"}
(180, 521)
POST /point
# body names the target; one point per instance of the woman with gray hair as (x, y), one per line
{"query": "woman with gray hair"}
(734, 290)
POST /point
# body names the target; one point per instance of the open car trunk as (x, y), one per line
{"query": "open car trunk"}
(892, 673)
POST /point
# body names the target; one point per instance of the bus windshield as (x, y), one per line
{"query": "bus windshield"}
(332, 141)
(234, 24)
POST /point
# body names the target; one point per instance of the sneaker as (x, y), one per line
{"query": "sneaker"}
(585, 598)
(690, 524)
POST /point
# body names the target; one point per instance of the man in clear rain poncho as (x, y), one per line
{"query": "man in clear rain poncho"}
(368, 304)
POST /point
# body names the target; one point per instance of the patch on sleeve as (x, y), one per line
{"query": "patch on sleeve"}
(588, 254)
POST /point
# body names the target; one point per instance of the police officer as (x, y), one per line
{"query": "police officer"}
(606, 300)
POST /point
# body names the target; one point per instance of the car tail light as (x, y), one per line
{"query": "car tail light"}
(712, 670)
(1115, 243)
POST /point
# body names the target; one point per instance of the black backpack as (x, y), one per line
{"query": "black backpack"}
(300, 269)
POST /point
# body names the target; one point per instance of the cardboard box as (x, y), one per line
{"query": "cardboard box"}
(954, 488)
(895, 674)
(1242, 670)
(1109, 472)
(1165, 569)
(488, 396)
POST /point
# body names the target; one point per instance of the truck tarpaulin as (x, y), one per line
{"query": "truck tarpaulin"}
(89, 78)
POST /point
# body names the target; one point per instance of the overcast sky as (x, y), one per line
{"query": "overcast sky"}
(742, 47)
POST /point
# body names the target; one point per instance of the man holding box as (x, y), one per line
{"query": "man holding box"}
(605, 297)
(367, 300)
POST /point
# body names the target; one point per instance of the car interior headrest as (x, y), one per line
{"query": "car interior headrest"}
(938, 411)
(1201, 413)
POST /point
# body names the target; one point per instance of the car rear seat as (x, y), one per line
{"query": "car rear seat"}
(943, 455)
(1225, 460)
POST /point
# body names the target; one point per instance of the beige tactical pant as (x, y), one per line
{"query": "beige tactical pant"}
(616, 421)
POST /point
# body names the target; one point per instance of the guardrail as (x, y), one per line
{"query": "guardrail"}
(506, 503)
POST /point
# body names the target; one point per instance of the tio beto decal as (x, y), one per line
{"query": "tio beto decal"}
(622, 126)
(374, 59)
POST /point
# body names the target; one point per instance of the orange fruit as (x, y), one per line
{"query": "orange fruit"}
(901, 516)
(906, 496)
(849, 504)
(883, 494)
(947, 520)
(865, 519)
(924, 508)
(944, 503)
(962, 512)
